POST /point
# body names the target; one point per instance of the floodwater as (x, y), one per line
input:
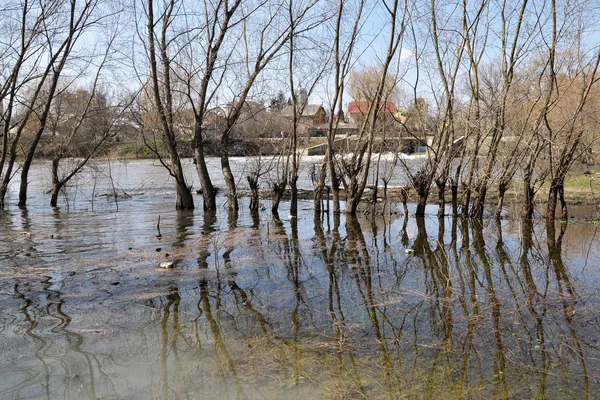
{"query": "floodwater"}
(274, 308)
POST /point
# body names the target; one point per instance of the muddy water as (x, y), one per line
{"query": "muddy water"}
(290, 308)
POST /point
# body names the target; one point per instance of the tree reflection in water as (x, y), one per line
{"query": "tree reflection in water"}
(326, 309)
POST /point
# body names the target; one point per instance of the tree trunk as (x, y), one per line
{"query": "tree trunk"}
(374, 198)
(335, 184)
(29, 158)
(209, 192)
(528, 198)
(276, 195)
(3, 190)
(502, 188)
(421, 202)
(335, 196)
(229, 182)
(54, 197)
(319, 185)
(466, 202)
(404, 197)
(8, 173)
(56, 184)
(563, 203)
(25, 180)
(552, 201)
(479, 206)
(454, 189)
(556, 194)
(254, 200)
(185, 200)
(294, 195)
(385, 199)
(441, 184)
(317, 200)
(352, 201)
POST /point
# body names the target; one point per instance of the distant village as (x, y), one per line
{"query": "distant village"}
(257, 131)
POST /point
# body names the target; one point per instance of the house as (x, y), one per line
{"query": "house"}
(213, 117)
(74, 104)
(312, 114)
(357, 110)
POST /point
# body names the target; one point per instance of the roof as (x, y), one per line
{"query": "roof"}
(309, 110)
(362, 107)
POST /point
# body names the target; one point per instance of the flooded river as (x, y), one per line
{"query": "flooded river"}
(287, 308)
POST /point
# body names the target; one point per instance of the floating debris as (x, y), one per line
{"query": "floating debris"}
(167, 264)
(409, 251)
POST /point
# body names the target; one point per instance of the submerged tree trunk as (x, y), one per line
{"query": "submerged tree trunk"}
(25, 174)
(421, 202)
(318, 176)
(404, 198)
(385, 196)
(502, 188)
(466, 202)
(294, 195)
(232, 200)
(276, 195)
(479, 206)
(209, 192)
(56, 185)
(563, 203)
(441, 184)
(454, 190)
(528, 199)
(254, 195)
(184, 199)
(421, 185)
(556, 194)
(335, 185)
(8, 173)
(54, 197)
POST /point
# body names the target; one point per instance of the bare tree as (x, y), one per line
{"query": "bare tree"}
(344, 44)
(19, 51)
(447, 62)
(514, 45)
(308, 80)
(162, 96)
(82, 121)
(263, 38)
(49, 32)
(61, 43)
(563, 77)
(357, 164)
(566, 124)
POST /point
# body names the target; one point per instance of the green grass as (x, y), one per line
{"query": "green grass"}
(584, 182)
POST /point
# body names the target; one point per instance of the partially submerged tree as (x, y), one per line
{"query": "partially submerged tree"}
(437, 135)
(302, 80)
(49, 32)
(161, 92)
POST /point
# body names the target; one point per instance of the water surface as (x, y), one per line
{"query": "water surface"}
(290, 308)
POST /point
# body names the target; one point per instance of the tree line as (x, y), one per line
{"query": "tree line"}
(511, 89)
